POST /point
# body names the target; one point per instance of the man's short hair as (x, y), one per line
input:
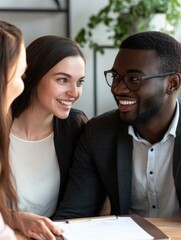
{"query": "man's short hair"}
(167, 48)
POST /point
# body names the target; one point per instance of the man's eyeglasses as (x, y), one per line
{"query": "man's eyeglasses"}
(131, 80)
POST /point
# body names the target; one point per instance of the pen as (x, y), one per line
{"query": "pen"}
(77, 220)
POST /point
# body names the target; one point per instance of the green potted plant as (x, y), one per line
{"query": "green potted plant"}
(124, 17)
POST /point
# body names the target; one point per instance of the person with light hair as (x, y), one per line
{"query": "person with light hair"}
(12, 67)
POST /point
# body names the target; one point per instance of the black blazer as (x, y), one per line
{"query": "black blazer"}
(66, 134)
(103, 166)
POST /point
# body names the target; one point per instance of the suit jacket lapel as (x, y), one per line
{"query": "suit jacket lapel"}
(177, 159)
(63, 145)
(124, 169)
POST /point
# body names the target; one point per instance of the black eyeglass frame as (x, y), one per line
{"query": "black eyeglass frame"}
(140, 79)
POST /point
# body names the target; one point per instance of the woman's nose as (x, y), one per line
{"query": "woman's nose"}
(73, 91)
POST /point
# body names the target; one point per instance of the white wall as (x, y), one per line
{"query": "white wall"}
(34, 25)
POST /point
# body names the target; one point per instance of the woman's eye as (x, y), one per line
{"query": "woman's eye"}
(23, 76)
(62, 80)
(80, 83)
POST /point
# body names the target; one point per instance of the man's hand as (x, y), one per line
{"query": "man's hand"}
(37, 227)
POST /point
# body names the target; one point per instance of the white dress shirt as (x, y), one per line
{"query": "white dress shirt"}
(153, 188)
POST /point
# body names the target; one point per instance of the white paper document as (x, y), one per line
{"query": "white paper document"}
(118, 228)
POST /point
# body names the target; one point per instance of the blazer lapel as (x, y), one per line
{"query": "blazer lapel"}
(177, 159)
(63, 145)
(124, 169)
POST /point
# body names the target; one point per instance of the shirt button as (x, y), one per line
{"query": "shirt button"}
(151, 149)
(153, 206)
(151, 172)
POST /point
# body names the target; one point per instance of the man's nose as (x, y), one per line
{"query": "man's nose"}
(120, 88)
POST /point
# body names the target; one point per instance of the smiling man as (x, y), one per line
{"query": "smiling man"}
(133, 154)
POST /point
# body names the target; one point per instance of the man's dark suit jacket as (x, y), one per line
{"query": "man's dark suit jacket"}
(103, 166)
(66, 134)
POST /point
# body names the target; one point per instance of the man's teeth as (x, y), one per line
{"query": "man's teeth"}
(125, 102)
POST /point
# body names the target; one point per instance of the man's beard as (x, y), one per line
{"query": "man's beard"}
(150, 108)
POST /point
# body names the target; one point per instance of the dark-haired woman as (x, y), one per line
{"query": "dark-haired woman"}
(45, 130)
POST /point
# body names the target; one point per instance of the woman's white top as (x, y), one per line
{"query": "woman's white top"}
(37, 174)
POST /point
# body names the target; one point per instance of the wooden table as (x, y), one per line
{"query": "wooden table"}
(171, 227)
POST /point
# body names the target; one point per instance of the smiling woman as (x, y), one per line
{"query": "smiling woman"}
(61, 86)
(45, 130)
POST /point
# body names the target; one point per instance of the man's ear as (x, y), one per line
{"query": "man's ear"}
(174, 83)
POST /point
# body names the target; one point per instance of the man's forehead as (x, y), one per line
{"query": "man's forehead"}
(136, 51)
(135, 59)
(135, 54)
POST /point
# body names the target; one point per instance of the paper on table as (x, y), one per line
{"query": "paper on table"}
(115, 229)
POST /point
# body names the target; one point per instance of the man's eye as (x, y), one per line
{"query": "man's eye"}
(133, 78)
(80, 83)
(115, 77)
